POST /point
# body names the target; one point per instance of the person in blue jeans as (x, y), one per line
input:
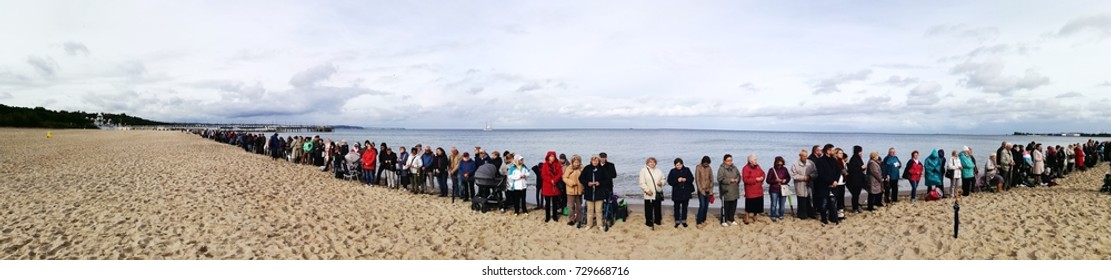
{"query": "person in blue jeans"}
(777, 178)
(704, 178)
(682, 185)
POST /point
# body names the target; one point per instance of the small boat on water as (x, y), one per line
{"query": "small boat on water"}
(487, 127)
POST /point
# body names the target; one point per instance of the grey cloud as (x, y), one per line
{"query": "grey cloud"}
(531, 86)
(831, 84)
(988, 77)
(46, 66)
(899, 81)
(900, 66)
(514, 29)
(75, 48)
(133, 69)
(475, 90)
(877, 99)
(1100, 24)
(1105, 84)
(750, 87)
(924, 94)
(963, 31)
(5, 95)
(1070, 94)
(310, 77)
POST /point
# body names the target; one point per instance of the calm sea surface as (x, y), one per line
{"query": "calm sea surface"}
(628, 149)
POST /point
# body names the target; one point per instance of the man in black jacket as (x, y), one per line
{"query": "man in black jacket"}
(856, 176)
(828, 172)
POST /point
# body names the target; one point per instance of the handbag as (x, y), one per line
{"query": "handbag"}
(949, 173)
(711, 198)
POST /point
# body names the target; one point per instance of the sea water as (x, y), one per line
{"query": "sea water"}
(628, 149)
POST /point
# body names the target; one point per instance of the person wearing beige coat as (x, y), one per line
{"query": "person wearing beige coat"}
(574, 190)
(875, 181)
(651, 182)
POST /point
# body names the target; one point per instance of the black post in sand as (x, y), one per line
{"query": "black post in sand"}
(956, 218)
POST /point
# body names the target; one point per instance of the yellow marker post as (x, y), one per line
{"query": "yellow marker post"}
(49, 134)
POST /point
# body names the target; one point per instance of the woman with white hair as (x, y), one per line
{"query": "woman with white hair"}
(954, 167)
(753, 177)
(651, 182)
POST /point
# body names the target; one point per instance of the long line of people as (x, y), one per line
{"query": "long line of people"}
(818, 179)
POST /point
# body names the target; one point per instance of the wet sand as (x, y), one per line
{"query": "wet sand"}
(88, 194)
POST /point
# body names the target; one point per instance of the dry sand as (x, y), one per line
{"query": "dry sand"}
(168, 195)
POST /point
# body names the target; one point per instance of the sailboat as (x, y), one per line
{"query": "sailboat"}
(487, 127)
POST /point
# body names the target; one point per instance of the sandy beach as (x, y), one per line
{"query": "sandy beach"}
(88, 194)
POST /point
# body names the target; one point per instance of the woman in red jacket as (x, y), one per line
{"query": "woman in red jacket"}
(370, 157)
(914, 174)
(753, 177)
(551, 172)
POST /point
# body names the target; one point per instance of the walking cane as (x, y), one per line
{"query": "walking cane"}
(791, 203)
(956, 216)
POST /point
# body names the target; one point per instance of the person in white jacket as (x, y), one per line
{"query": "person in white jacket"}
(651, 182)
(519, 175)
(954, 165)
(414, 163)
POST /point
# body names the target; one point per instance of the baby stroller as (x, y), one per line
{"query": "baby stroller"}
(1106, 184)
(488, 183)
(352, 170)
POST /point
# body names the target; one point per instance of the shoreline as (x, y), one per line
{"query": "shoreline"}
(169, 195)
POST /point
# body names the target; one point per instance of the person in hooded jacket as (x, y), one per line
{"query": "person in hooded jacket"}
(551, 172)
(778, 176)
(651, 181)
(728, 179)
(934, 172)
(682, 185)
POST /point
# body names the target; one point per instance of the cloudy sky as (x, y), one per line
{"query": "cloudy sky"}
(903, 66)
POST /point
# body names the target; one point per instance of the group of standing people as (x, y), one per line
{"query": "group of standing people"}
(819, 178)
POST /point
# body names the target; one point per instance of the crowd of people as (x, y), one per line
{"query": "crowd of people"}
(819, 178)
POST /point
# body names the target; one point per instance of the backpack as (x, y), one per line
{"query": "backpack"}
(934, 194)
(622, 210)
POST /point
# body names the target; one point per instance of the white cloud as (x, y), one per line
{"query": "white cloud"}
(964, 31)
(555, 64)
(831, 84)
(312, 76)
(749, 87)
(924, 94)
(899, 81)
(988, 76)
